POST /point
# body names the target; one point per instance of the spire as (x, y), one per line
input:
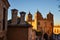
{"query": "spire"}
(29, 16)
(38, 15)
(29, 13)
(50, 16)
(50, 13)
(38, 11)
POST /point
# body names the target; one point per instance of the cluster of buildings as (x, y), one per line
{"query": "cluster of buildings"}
(40, 24)
(18, 28)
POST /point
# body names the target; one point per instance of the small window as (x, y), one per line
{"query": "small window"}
(51, 24)
(38, 23)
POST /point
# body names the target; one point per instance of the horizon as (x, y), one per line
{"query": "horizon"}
(44, 8)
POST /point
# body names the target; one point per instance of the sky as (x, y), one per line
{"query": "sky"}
(44, 7)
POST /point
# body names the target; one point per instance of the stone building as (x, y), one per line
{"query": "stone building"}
(4, 5)
(56, 30)
(44, 25)
(18, 28)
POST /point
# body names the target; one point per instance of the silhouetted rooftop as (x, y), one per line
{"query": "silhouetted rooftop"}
(18, 24)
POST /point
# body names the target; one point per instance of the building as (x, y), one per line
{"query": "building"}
(19, 29)
(56, 30)
(4, 5)
(44, 25)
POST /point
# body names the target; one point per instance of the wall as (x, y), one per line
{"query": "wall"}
(17, 34)
(45, 26)
(2, 6)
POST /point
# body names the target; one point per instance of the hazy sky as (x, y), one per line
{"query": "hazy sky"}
(44, 6)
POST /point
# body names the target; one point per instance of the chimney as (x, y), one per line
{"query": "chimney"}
(14, 16)
(22, 17)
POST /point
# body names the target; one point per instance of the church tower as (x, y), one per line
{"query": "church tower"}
(50, 19)
(50, 16)
(37, 19)
(38, 15)
(4, 5)
(29, 17)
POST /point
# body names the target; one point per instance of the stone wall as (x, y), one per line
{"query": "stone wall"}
(17, 34)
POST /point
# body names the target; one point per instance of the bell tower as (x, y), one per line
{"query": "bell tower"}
(4, 5)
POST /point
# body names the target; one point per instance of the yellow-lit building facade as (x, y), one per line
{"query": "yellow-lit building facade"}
(56, 30)
(44, 25)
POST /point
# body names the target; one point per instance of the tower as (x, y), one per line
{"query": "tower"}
(51, 21)
(50, 16)
(38, 18)
(38, 15)
(4, 5)
(14, 16)
(29, 17)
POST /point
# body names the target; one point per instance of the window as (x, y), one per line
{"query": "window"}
(4, 12)
(51, 24)
(38, 23)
